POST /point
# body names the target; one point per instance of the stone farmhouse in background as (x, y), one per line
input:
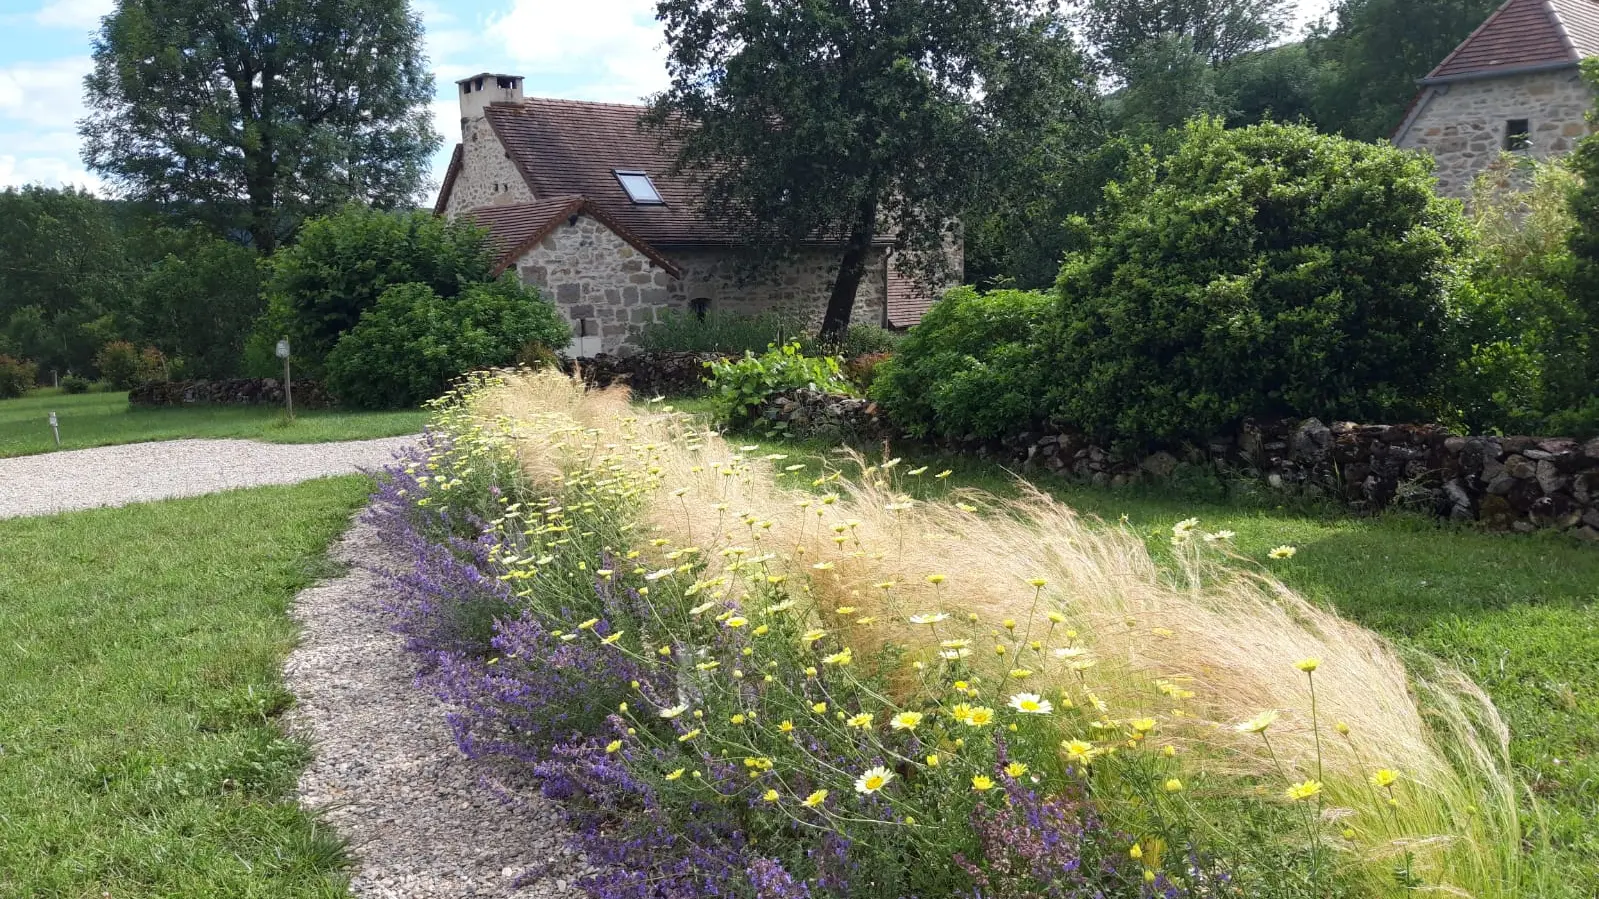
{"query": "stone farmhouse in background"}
(584, 206)
(1512, 85)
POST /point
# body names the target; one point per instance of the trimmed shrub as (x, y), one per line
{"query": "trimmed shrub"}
(1264, 271)
(17, 376)
(716, 332)
(118, 362)
(858, 340)
(739, 387)
(410, 346)
(974, 368)
(341, 265)
(74, 384)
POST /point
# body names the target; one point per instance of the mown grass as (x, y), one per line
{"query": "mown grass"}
(139, 751)
(103, 419)
(1518, 613)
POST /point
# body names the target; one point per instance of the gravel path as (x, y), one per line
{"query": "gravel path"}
(423, 821)
(136, 472)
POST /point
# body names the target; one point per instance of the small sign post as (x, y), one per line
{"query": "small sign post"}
(288, 382)
(55, 428)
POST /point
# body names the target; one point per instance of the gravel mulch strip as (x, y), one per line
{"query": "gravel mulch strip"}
(62, 481)
(422, 820)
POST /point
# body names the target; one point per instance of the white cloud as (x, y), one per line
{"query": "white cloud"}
(612, 48)
(48, 94)
(50, 171)
(85, 14)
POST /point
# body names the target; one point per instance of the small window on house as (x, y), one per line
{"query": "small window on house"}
(640, 189)
(1518, 134)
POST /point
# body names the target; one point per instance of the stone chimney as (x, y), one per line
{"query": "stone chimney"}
(481, 90)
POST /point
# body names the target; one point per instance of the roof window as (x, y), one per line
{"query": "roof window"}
(640, 189)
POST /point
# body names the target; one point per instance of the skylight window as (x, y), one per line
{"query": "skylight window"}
(640, 189)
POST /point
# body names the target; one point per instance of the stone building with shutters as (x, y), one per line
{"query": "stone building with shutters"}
(582, 204)
(1511, 86)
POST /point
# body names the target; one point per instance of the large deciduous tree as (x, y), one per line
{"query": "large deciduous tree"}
(848, 117)
(1216, 30)
(253, 114)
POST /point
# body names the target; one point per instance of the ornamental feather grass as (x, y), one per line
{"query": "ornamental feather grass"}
(1194, 653)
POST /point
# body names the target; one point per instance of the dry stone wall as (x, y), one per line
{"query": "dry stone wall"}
(1508, 483)
(229, 392)
(1463, 124)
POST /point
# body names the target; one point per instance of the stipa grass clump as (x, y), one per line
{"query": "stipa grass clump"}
(751, 687)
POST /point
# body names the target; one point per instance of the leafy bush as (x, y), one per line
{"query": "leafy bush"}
(862, 370)
(1261, 271)
(858, 340)
(974, 367)
(17, 376)
(716, 332)
(341, 265)
(199, 300)
(1521, 341)
(739, 387)
(118, 362)
(73, 384)
(410, 346)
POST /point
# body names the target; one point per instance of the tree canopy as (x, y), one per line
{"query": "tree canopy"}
(1217, 30)
(251, 115)
(834, 118)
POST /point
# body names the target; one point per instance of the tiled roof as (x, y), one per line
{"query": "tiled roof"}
(515, 229)
(907, 300)
(450, 174)
(570, 147)
(1525, 34)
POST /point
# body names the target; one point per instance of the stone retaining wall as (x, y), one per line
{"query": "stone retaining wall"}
(230, 392)
(1508, 483)
(648, 374)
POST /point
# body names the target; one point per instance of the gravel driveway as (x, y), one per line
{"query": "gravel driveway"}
(138, 472)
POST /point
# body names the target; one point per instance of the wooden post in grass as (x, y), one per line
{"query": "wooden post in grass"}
(55, 428)
(288, 382)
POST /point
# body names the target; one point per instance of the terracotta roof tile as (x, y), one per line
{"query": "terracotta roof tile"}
(572, 147)
(515, 229)
(1526, 33)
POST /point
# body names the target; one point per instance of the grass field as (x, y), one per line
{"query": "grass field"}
(102, 419)
(1520, 614)
(139, 751)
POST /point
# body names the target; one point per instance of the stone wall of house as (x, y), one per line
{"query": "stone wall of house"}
(487, 176)
(1462, 124)
(229, 392)
(798, 290)
(599, 282)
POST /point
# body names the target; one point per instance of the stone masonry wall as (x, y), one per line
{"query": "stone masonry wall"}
(487, 176)
(798, 291)
(1507, 483)
(594, 276)
(1463, 124)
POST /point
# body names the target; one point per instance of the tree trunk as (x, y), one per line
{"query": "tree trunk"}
(851, 271)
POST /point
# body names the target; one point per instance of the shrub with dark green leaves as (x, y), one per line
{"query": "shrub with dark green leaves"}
(716, 332)
(75, 384)
(17, 376)
(859, 340)
(740, 387)
(974, 368)
(118, 362)
(340, 265)
(1262, 271)
(413, 343)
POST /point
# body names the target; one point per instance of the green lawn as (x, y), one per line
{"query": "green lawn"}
(139, 751)
(1520, 614)
(101, 419)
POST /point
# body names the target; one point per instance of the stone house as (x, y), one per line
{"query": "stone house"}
(584, 206)
(1512, 85)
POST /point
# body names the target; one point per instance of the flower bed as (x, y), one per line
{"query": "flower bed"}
(741, 686)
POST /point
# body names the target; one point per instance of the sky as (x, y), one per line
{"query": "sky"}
(583, 50)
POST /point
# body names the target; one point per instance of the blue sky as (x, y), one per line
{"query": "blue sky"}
(578, 49)
(586, 50)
